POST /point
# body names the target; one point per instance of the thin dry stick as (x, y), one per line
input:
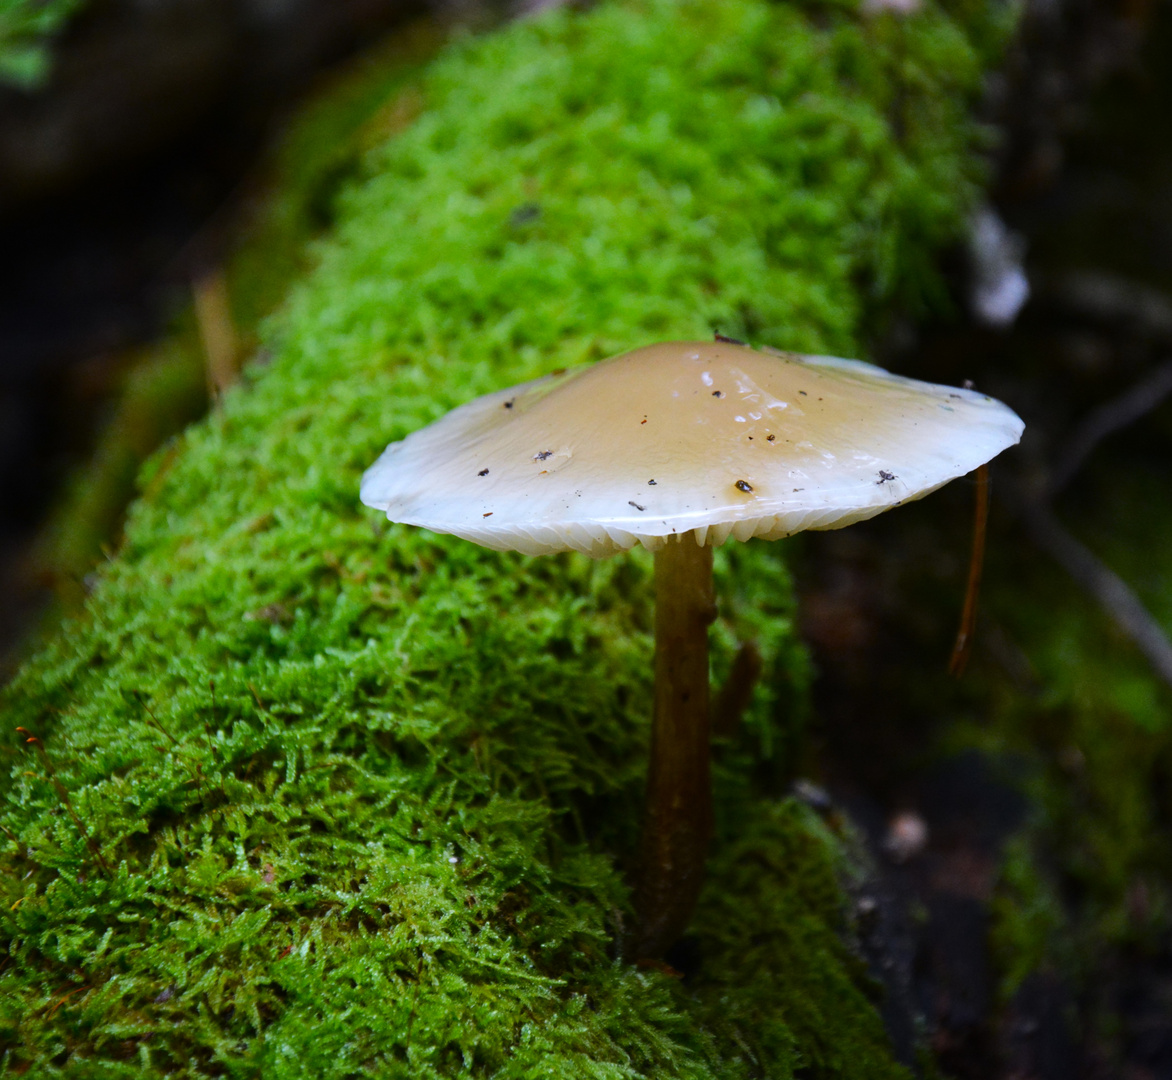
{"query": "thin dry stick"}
(963, 647)
(1144, 311)
(1111, 591)
(64, 998)
(1133, 403)
(213, 312)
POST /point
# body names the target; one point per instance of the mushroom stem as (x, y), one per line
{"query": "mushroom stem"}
(677, 822)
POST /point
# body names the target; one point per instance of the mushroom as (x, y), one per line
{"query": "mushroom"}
(676, 447)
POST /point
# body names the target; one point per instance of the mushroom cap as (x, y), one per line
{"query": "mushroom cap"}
(712, 437)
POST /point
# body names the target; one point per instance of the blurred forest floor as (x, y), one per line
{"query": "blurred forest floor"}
(1043, 944)
(1030, 926)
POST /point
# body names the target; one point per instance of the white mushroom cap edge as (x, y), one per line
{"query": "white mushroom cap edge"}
(714, 438)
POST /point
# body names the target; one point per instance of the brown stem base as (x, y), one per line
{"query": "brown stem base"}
(677, 823)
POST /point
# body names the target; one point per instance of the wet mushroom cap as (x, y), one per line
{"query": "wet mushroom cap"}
(712, 437)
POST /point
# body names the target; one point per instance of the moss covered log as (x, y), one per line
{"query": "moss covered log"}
(310, 795)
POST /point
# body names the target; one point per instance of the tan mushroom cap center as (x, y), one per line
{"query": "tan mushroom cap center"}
(714, 437)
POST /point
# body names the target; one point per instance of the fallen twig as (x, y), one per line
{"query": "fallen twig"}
(1110, 590)
(1108, 418)
(1108, 298)
(213, 313)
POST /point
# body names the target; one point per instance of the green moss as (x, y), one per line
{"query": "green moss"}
(26, 30)
(1029, 921)
(323, 796)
